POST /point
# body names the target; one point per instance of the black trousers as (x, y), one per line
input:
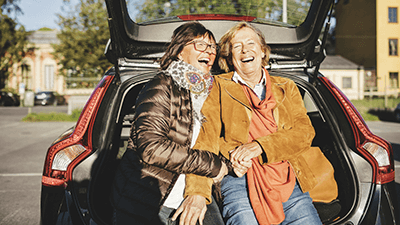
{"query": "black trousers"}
(212, 217)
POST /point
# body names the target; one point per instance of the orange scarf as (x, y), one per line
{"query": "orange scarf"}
(269, 185)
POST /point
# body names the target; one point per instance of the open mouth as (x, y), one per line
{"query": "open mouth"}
(247, 60)
(204, 61)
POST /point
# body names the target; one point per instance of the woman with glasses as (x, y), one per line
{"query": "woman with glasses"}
(150, 181)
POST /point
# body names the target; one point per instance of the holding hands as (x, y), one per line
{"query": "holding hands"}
(242, 155)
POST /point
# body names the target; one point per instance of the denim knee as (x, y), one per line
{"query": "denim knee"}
(299, 209)
(236, 203)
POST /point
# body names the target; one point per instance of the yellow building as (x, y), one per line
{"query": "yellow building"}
(368, 33)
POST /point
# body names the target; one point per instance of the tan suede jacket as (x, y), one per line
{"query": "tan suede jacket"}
(228, 114)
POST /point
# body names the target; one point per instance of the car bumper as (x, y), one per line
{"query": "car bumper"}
(40, 102)
(58, 207)
(383, 208)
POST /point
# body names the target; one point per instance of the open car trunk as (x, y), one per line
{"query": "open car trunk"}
(328, 138)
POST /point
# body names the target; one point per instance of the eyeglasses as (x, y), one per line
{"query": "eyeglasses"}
(202, 46)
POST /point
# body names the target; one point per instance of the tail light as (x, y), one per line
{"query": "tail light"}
(376, 150)
(75, 144)
(64, 157)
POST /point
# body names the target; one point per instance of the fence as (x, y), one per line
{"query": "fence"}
(82, 82)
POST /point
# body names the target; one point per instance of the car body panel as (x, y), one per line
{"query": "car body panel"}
(85, 197)
(397, 113)
(9, 99)
(48, 98)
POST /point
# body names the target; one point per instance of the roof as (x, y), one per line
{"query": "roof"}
(44, 37)
(338, 62)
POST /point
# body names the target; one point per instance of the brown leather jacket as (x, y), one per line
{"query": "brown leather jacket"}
(228, 115)
(159, 149)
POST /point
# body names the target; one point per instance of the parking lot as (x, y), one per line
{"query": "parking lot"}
(22, 151)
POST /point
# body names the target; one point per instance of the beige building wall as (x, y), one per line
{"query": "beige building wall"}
(356, 91)
(43, 69)
(385, 31)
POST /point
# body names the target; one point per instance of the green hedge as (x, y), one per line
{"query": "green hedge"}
(53, 116)
(372, 109)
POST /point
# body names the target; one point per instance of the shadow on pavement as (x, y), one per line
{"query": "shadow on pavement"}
(384, 114)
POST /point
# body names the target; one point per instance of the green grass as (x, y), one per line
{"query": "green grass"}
(53, 116)
(367, 106)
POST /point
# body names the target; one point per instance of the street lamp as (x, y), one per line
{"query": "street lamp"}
(284, 11)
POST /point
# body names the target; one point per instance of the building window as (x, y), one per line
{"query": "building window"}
(393, 46)
(49, 77)
(347, 82)
(392, 15)
(394, 80)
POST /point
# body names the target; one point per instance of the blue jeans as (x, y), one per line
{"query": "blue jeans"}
(237, 208)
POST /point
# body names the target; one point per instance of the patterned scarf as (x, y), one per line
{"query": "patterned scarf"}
(190, 78)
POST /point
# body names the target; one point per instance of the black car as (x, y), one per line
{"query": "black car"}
(79, 165)
(49, 98)
(397, 113)
(8, 99)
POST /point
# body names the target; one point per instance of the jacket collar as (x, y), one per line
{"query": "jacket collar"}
(234, 90)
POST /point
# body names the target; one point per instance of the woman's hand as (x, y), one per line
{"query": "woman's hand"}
(222, 172)
(242, 155)
(246, 152)
(192, 209)
(241, 168)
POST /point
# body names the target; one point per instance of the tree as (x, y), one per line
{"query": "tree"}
(12, 39)
(83, 37)
(264, 9)
(9, 6)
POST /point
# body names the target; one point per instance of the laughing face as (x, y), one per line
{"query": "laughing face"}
(247, 53)
(202, 60)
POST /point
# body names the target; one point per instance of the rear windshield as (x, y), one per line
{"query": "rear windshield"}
(291, 12)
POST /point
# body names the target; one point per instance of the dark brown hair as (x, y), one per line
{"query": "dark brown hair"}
(181, 36)
(225, 59)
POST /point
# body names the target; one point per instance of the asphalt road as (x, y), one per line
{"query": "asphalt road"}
(22, 151)
(23, 147)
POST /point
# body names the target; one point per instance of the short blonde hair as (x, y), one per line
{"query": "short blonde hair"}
(225, 54)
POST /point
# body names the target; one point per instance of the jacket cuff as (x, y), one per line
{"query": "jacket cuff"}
(198, 185)
(263, 157)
